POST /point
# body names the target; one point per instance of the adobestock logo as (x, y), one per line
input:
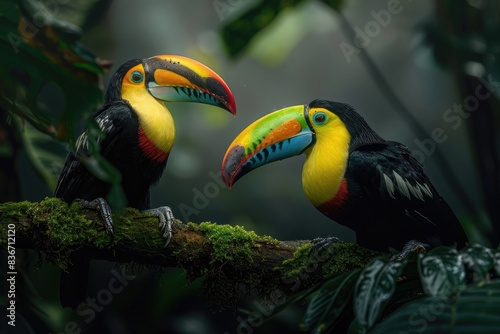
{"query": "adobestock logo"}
(226, 7)
(454, 116)
(88, 308)
(265, 308)
(44, 16)
(373, 28)
(202, 196)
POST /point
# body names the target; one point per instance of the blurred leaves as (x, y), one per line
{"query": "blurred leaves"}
(47, 78)
(238, 33)
(44, 154)
(469, 32)
(464, 40)
(37, 50)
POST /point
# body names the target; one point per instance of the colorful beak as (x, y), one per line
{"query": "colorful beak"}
(181, 79)
(277, 136)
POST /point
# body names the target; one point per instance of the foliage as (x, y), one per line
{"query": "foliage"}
(50, 82)
(443, 291)
(41, 53)
(449, 315)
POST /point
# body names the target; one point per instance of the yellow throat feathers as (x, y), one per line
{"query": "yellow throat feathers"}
(154, 118)
(326, 162)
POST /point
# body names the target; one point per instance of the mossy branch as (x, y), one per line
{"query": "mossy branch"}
(229, 257)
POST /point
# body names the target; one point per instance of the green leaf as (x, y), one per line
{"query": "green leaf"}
(329, 302)
(237, 34)
(286, 302)
(334, 4)
(474, 310)
(480, 260)
(282, 32)
(374, 289)
(496, 265)
(441, 272)
(46, 155)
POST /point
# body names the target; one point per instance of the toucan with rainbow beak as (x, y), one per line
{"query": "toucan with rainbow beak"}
(138, 133)
(352, 175)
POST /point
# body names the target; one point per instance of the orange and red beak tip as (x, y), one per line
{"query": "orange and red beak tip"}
(174, 78)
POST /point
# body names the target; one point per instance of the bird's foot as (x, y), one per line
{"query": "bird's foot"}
(321, 244)
(104, 209)
(166, 217)
(412, 246)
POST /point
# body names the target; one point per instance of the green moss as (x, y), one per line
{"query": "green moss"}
(347, 257)
(229, 243)
(270, 240)
(9, 214)
(12, 210)
(299, 262)
(225, 285)
(338, 258)
(59, 230)
(65, 227)
(132, 225)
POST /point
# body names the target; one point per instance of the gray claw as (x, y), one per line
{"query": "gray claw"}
(321, 244)
(166, 217)
(412, 246)
(103, 207)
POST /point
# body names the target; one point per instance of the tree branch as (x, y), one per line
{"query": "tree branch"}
(228, 257)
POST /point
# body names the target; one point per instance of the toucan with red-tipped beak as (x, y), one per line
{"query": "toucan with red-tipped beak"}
(138, 133)
(351, 174)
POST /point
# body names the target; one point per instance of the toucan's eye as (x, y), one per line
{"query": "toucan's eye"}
(136, 77)
(319, 118)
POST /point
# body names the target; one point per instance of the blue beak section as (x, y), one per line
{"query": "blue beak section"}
(182, 94)
(278, 151)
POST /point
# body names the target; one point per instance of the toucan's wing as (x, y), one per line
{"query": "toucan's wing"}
(75, 181)
(391, 176)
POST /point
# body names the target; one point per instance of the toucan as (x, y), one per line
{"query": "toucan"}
(352, 175)
(138, 133)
